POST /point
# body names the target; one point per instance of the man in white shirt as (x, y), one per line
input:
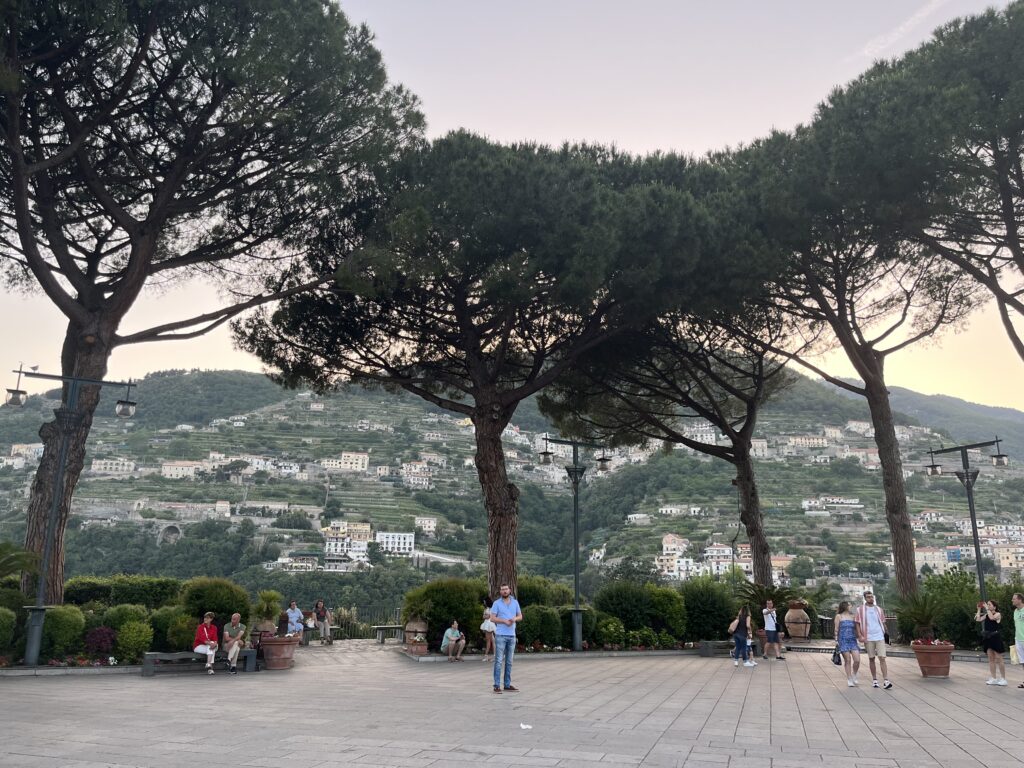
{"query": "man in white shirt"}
(871, 632)
(771, 631)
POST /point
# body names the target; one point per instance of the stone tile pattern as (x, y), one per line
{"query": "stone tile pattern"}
(358, 704)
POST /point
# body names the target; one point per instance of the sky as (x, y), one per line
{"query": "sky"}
(651, 75)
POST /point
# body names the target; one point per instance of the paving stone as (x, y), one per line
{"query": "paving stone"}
(376, 708)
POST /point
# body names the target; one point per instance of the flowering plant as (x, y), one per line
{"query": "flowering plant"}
(419, 638)
(931, 641)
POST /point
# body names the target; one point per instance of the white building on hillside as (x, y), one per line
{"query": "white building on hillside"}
(394, 543)
(113, 466)
(180, 470)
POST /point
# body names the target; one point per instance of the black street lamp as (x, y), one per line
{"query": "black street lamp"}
(968, 477)
(68, 419)
(575, 472)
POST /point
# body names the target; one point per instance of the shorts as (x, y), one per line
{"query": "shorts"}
(1020, 650)
(875, 648)
(771, 636)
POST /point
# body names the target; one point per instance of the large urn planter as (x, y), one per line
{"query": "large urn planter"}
(279, 652)
(933, 658)
(798, 623)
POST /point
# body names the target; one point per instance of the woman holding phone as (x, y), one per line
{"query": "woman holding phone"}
(992, 641)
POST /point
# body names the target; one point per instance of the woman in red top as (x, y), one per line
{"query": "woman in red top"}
(206, 640)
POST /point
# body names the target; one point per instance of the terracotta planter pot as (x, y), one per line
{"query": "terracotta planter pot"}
(416, 649)
(797, 622)
(279, 652)
(933, 659)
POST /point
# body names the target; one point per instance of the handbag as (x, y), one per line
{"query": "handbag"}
(837, 657)
(732, 627)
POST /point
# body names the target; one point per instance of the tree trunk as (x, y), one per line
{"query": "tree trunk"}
(753, 520)
(85, 360)
(896, 513)
(501, 498)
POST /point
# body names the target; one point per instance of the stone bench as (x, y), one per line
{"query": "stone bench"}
(723, 648)
(246, 657)
(381, 629)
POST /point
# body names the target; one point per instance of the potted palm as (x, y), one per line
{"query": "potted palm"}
(278, 652)
(920, 611)
(756, 597)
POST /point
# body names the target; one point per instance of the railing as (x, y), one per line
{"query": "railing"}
(357, 622)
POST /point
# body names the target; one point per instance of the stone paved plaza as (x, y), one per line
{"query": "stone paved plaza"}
(358, 704)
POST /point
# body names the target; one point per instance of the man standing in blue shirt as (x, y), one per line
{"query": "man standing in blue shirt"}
(505, 612)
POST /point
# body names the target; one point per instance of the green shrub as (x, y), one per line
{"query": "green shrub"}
(222, 596)
(8, 621)
(118, 615)
(709, 608)
(93, 611)
(150, 591)
(646, 637)
(589, 621)
(85, 589)
(528, 630)
(63, 629)
(14, 600)
(627, 601)
(181, 632)
(666, 641)
(632, 638)
(610, 631)
(550, 629)
(955, 622)
(538, 590)
(440, 601)
(160, 620)
(133, 639)
(666, 611)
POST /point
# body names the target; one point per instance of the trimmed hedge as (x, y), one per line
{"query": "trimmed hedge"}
(440, 601)
(14, 600)
(119, 615)
(62, 629)
(589, 621)
(639, 606)
(8, 621)
(538, 590)
(133, 640)
(709, 608)
(222, 596)
(150, 591)
(540, 622)
(181, 633)
(84, 589)
(161, 620)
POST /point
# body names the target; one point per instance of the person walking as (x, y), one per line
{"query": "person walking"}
(771, 631)
(505, 612)
(871, 630)
(487, 627)
(740, 631)
(992, 641)
(845, 625)
(1018, 627)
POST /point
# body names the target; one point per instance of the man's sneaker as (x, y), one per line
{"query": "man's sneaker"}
(850, 683)
(209, 670)
(749, 664)
(1001, 681)
(887, 685)
(780, 658)
(497, 689)
(234, 671)
(735, 662)
(511, 689)
(990, 681)
(874, 684)
(855, 679)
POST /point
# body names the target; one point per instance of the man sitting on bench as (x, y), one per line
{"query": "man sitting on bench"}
(206, 640)
(234, 640)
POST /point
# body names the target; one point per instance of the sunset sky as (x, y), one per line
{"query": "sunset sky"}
(655, 74)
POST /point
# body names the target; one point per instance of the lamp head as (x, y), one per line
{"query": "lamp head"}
(16, 397)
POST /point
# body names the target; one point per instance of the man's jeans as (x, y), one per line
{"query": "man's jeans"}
(504, 650)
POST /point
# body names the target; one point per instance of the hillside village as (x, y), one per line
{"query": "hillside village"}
(354, 465)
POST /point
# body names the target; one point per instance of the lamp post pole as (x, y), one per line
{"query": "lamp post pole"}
(68, 419)
(576, 471)
(968, 477)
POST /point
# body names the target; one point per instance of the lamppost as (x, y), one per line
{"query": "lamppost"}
(575, 472)
(68, 419)
(968, 477)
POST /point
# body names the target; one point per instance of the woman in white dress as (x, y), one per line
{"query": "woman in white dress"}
(487, 627)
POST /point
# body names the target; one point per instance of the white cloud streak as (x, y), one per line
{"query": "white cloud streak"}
(879, 45)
